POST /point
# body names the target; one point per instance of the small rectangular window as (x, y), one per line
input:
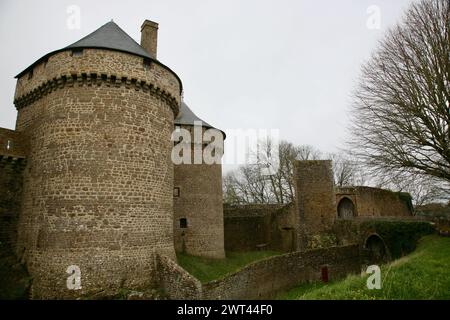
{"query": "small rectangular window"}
(30, 74)
(77, 52)
(176, 192)
(183, 223)
(147, 63)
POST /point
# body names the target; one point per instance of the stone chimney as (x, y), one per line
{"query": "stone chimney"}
(149, 37)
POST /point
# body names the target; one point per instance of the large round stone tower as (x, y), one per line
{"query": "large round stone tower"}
(198, 198)
(98, 184)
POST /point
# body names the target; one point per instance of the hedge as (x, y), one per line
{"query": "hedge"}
(400, 237)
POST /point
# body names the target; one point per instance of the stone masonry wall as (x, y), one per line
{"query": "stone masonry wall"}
(247, 226)
(101, 63)
(265, 278)
(12, 144)
(10, 196)
(374, 202)
(12, 161)
(176, 282)
(315, 198)
(262, 279)
(99, 179)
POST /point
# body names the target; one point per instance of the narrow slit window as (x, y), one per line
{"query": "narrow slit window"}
(183, 223)
(176, 192)
(9, 145)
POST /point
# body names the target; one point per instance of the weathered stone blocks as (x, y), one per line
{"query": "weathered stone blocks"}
(200, 202)
(99, 178)
(315, 198)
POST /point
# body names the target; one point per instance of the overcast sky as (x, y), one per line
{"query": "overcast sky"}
(288, 65)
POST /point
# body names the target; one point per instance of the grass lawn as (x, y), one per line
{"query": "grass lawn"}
(207, 270)
(424, 274)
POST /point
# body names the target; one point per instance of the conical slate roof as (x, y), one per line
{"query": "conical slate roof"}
(187, 117)
(111, 37)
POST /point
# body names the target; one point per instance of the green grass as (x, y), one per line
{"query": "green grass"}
(422, 275)
(207, 270)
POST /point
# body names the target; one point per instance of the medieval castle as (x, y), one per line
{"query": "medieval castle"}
(88, 180)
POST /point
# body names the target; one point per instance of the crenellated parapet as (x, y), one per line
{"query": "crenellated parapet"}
(95, 79)
(98, 67)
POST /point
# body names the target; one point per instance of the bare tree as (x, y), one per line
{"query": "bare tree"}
(344, 170)
(246, 185)
(251, 183)
(232, 193)
(307, 152)
(288, 154)
(423, 189)
(401, 111)
(281, 183)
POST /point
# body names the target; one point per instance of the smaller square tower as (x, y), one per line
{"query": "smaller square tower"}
(315, 200)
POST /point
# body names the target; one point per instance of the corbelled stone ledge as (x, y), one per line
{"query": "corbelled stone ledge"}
(94, 79)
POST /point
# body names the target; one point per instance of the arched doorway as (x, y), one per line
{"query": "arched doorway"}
(376, 248)
(346, 209)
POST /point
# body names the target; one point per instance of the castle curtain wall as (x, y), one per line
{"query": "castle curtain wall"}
(12, 162)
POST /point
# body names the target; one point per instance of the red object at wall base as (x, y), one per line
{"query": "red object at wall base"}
(324, 271)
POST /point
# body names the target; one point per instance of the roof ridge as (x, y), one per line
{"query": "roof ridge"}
(90, 33)
(111, 36)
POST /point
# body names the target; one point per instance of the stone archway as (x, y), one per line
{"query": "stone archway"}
(376, 248)
(346, 209)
